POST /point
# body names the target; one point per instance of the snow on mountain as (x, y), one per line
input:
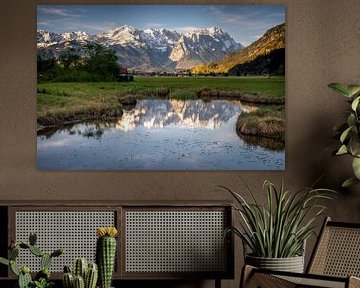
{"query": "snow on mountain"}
(78, 36)
(161, 39)
(201, 46)
(45, 38)
(149, 49)
(122, 35)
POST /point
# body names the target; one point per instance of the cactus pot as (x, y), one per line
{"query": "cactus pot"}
(291, 264)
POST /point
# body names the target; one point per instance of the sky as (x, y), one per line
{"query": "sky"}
(245, 23)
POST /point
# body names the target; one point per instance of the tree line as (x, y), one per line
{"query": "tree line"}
(100, 64)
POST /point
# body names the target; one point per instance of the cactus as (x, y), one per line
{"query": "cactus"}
(79, 282)
(68, 280)
(88, 273)
(91, 276)
(57, 252)
(80, 268)
(24, 278)
(13, 253)
(36, 251)
(67, 269)
(32, 239)
(4, 261)
(105, 254)
(45, 261)
(43, 274)
(14, 268)
(24, 246)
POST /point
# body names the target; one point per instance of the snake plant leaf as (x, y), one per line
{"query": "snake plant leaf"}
(342, 150)
(341, 89)
(356, 167)
(355, 103)
(345, 134)
(349, 182)
(279, 228)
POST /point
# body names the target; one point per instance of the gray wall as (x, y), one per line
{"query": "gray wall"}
(322, 46)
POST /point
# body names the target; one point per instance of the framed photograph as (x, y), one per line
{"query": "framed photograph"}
(161, 87)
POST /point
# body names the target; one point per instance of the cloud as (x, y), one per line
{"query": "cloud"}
(100, 27)
(57, 12)
(187, 28)
(154, 25)
(69, 25)
(254, 20)
(277, 15)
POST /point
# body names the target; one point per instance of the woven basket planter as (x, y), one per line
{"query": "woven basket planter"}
(291, 264)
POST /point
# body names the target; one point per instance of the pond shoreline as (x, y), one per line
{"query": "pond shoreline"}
(207, 94)
(52, 121)
(114, 109)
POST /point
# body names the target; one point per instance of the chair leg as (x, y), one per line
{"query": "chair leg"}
(246, 274)
(217, 283)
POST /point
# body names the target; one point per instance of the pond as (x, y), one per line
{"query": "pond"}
(160, 135)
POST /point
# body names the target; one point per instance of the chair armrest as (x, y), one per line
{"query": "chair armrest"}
(252, 277)
(354, 282)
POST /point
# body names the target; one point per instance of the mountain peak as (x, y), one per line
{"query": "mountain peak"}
(148, 49)
(215, 30)
(205, 31)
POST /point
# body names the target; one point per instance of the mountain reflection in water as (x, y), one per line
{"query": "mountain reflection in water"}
(158, 135)
(191, 114)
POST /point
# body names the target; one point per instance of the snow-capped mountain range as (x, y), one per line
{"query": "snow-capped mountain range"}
(146, 50)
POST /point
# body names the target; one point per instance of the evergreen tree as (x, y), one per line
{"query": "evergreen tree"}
(102, 61)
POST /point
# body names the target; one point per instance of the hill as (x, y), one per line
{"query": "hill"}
(255, 55)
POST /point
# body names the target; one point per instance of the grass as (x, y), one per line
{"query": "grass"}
(62, 100)
(58, 105)
(267, 121)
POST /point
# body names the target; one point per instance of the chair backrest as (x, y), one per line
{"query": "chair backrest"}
(337, 251)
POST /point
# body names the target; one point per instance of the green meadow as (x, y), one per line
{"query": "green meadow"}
(64, 100)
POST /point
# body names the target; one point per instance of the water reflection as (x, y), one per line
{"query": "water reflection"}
(153, 114)
(92, 129)
(159, 135)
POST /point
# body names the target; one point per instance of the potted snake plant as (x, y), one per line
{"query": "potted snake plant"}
(349, 132)
(274, 234)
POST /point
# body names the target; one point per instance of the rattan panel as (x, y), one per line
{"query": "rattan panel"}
(338, 253)
(312, 282)
(75, 231)
(175, 241)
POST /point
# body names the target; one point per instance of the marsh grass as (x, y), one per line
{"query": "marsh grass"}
(266, 121)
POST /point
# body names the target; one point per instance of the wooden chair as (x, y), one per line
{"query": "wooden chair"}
(335, 262)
